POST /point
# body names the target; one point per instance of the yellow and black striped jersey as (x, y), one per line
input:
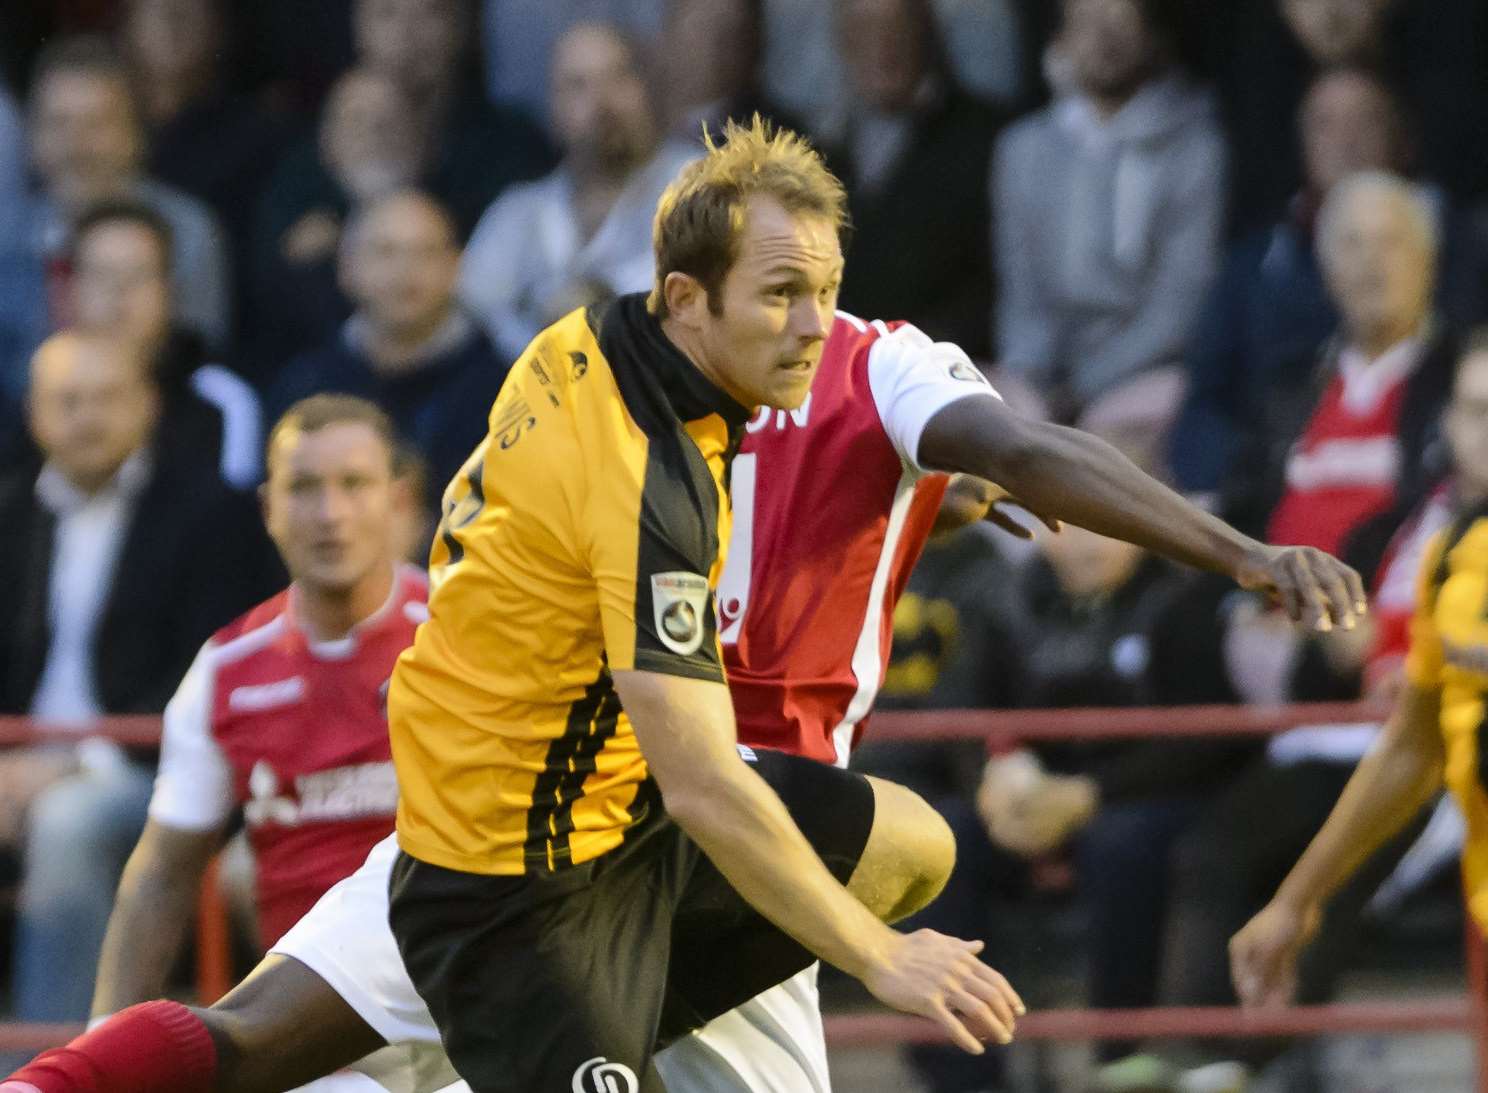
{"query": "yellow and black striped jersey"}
(1449, 651)
(583, 536)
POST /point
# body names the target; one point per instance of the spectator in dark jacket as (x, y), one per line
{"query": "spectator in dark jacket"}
(475, 149)
(122, 286)
(1344, 433)
(204, 138)
(1100, 624)
(1265, 52)
(408, 347)
(914, 152)
(368, 145)
(125, 560)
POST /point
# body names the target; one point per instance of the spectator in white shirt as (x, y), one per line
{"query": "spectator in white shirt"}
(583, 232)
(122, 562)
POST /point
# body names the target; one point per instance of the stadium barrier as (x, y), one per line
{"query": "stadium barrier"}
(1000, 728)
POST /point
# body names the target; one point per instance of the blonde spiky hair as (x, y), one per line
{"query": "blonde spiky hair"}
(700, 217)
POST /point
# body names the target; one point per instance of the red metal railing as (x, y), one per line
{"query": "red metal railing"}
(1467, 1014)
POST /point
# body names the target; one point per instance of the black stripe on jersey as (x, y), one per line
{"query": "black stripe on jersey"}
(474, 501)
(592, 719)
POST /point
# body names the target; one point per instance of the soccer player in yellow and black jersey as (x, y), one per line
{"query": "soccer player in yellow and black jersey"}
(563, 736)
(1437, 733)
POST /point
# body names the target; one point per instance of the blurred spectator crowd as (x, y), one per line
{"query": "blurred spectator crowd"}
(1245, 240)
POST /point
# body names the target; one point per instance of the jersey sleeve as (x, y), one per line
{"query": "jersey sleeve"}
(912, 379)
(1423, 663)
(652, 557)
(193, 787)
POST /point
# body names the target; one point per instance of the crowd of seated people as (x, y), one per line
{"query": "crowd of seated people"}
(1245, 240)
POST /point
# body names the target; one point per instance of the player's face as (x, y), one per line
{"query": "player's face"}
(120, 285)
(1467, 424)
(329, 504)
(777, 302)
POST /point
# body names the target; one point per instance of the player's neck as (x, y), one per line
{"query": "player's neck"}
(329, 614)
(691, 347)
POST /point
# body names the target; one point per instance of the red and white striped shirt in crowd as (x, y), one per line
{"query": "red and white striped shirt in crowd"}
(1344, 467)
(293, 731)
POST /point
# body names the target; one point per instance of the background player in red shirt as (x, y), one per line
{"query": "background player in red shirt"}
(282, 714)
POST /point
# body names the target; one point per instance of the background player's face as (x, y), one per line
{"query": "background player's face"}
(401, 266)
(120, 285)
(776, 306)
(91, 407)
(1467, 425)
(329, 504)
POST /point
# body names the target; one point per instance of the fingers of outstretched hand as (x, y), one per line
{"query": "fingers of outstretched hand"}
(996, 516)
(1340, 598)
(938, 1011)
(978, 1015)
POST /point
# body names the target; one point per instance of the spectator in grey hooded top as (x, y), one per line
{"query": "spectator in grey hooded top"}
(1107, 208)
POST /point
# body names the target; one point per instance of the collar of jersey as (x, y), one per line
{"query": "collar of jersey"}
(628, 328)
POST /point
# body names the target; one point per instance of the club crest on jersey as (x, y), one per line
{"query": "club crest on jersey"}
(678, 601)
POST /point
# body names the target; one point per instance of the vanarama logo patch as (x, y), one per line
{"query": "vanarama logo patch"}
(678, 601)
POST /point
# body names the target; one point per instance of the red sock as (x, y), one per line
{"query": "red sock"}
(149, 1048)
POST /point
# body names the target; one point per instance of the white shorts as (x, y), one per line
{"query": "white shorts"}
(772, 1044)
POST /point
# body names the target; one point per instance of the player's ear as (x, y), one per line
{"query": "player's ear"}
(686, 298)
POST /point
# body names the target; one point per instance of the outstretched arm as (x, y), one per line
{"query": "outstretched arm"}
(1398, 776)
(1066, 474)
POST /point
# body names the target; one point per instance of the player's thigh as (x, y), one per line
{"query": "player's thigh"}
(723, 951)
(773, 1043)
(282, 1027)
(909, 857)
(546, 983)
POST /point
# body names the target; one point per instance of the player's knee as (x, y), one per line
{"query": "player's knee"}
(909, 857)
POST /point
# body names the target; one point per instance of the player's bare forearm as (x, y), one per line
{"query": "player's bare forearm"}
(1399, 775)
(1064, 474)
(152, 910)
(686, 731)
(1071, 475)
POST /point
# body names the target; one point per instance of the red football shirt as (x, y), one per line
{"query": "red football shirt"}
(831, 511)
(294, 732)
